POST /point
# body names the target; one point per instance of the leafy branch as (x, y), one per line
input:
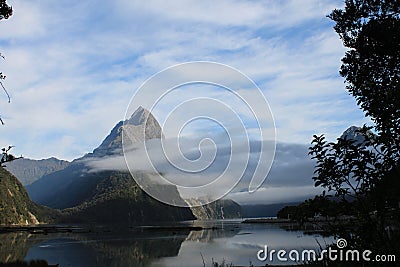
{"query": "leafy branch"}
(2, 78)
(5, 12)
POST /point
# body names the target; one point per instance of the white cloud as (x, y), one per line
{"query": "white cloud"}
(72, 66)
(288, 180)
(271, 195)
(28, 20)
(231, 12)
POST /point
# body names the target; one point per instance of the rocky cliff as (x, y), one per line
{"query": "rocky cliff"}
(220, 209)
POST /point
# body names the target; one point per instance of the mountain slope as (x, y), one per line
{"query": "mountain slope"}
(15, 206)
(29, 171)
(117, 197)
(65, 188)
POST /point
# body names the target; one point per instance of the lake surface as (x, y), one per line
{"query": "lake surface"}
(230, 241)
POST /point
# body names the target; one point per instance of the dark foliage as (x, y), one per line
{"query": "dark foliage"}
(370, 29)
(321, 206)
(7, 157)
(5, 10)
(368, 171)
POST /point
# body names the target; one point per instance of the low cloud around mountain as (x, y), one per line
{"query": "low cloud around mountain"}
(290, 176)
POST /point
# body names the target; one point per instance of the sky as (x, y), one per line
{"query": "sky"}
(73, 66)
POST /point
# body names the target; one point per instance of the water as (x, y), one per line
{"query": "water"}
(229, 241)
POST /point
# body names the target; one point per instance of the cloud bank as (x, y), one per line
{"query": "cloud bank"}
(288, 180)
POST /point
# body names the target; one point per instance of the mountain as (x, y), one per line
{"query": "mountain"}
(352, 133)
(15, 206)
(220, 209)
(105, 196)
(108, 196)
(76, 184)
(139, 127)
(28, 171)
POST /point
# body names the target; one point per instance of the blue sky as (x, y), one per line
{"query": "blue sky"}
(72, 66)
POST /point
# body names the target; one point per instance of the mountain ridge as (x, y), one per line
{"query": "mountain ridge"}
(29, 170)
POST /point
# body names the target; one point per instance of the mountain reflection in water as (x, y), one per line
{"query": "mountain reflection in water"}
(163, 246)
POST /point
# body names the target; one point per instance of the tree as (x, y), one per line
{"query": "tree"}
(370, 29)
(5, 12)
(366, 174)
